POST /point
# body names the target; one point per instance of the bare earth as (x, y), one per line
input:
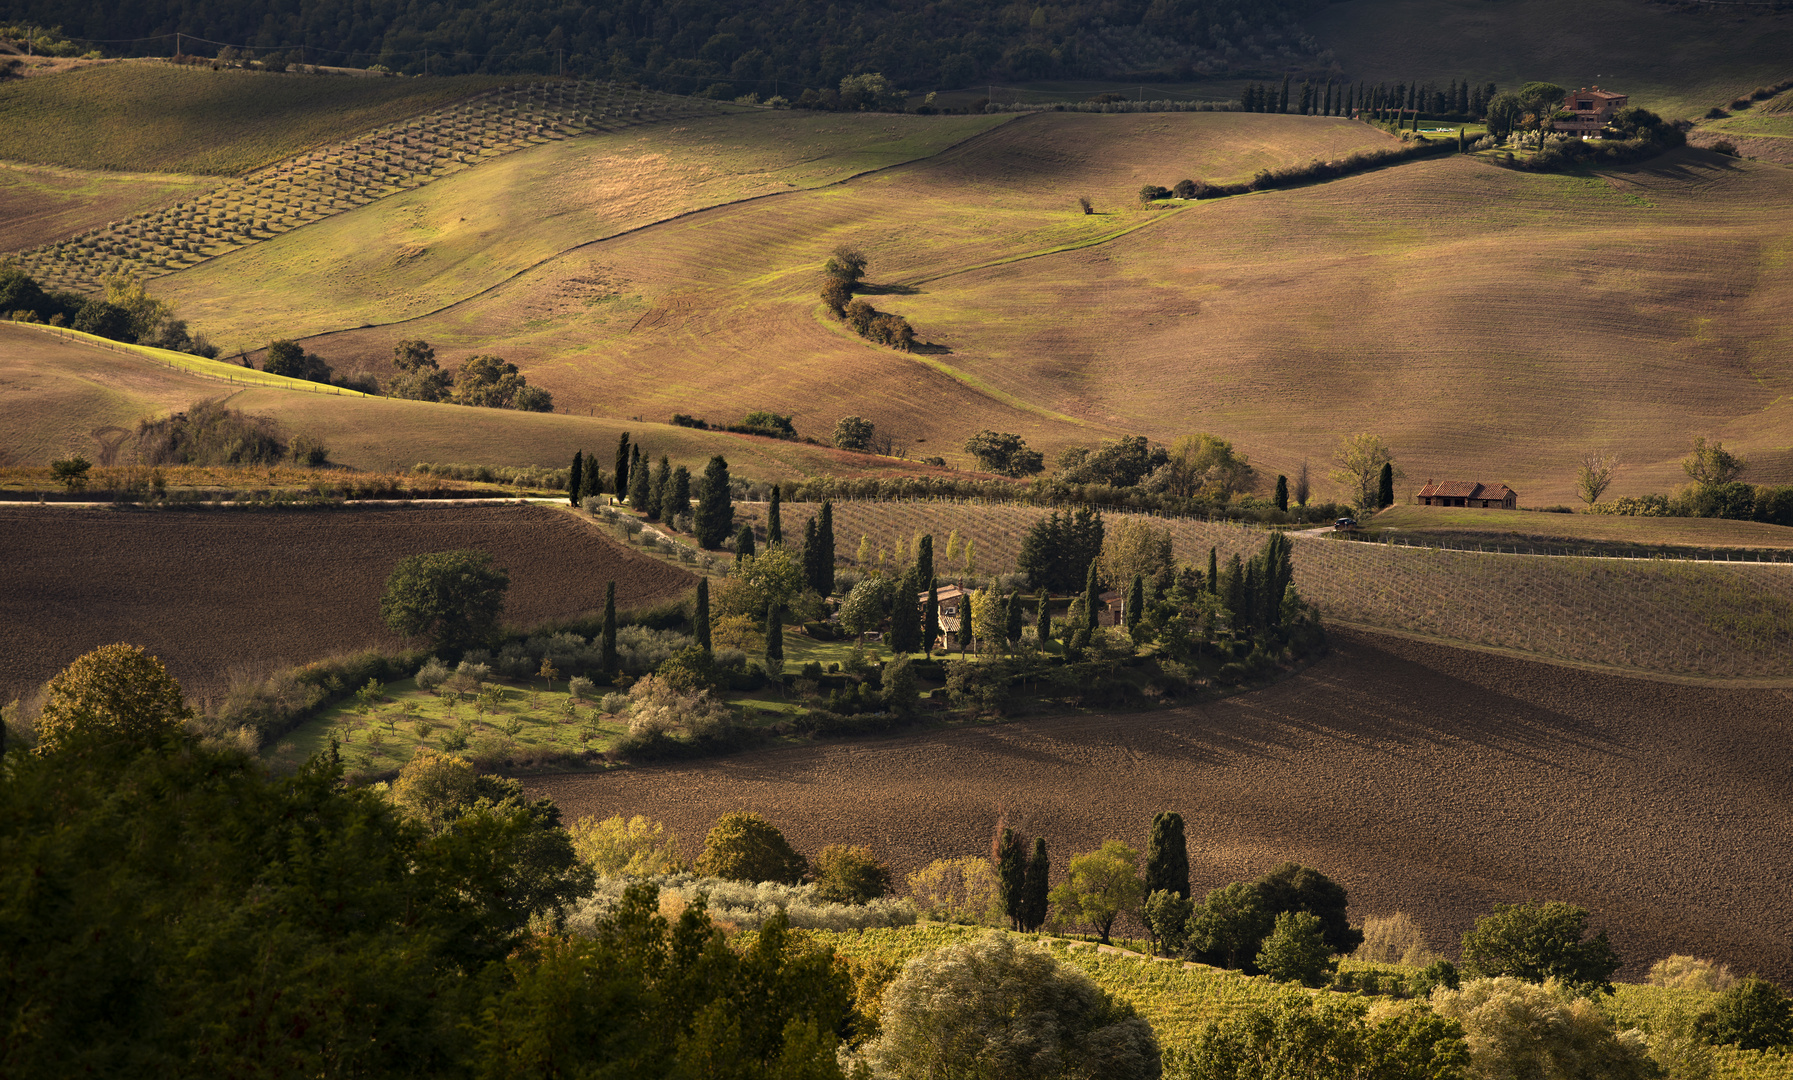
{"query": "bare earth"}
(1427, 779)
(212, 591)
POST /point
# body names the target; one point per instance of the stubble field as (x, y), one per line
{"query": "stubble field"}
(225, 591)
(1425, 779)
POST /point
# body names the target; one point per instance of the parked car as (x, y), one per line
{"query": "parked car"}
(1345, 525)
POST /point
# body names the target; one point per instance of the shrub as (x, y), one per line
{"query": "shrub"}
(581, 688)
(999, 1010)
(747, 847)
(1393, 939)
(961, 890)
(1518, 1028)
(748, 905)
(209, 433)
(1691, 973)
(1752, 1015)
(1539, 941)
(432, 674)
(635, 846)
(850, 875)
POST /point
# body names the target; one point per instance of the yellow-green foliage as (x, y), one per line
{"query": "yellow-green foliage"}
(114, 693)
(635, 846)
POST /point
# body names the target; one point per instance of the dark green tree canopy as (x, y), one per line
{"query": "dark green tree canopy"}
(1004, 453)
(454, 597)
(1538, 941)
(1167, 855)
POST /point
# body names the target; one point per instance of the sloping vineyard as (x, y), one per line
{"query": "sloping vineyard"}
(333, 179)
(1714, 619)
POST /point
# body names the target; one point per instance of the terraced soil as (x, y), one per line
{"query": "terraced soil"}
(214, 592)
(1426, 779)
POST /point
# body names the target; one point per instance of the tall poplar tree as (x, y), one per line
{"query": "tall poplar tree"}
(1011, 875)
(623, 458)
(607, 636)
(576, 478)
(967, 631)
(656, 491)
(812, 552)
(905, 616)
(700, 622)
(715, 517)
(1282, 106)
(774, 524)
(1167, 855)
(1213, 572)
(1011, 625)
(592, 481)
(924, 560)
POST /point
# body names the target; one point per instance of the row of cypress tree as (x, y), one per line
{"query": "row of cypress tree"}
(1460, 99)
(662, 492)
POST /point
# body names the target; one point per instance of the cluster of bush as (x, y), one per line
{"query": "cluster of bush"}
(759, 422)
(208, 432)
(1714, 490)
(843, 270)
(126, 313)
(484, 381)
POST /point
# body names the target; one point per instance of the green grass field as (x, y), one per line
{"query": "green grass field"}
(1521, 525)
(154, 117)
(42, 204)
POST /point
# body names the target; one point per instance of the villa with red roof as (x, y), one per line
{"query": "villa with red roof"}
(1468, 493)
(1590, 109)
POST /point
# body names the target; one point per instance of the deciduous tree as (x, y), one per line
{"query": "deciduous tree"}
(1103, 885)
(455, 597)
(116, 695)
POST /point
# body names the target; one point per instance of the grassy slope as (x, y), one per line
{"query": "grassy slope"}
(157, 117)
(1696, 532)
(1673, 60)
(716, 312)
(39, 205)
(59, 391)
(420, 250)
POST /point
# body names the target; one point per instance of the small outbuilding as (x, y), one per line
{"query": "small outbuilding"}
(1468, 493)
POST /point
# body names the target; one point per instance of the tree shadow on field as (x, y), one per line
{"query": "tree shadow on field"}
(929, 348)
(865, 288)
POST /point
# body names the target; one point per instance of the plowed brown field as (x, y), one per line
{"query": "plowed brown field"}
(213, 591)
(1425, 779)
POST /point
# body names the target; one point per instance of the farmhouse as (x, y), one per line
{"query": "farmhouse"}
(1590, 109)
(952, 598)
(1462, 493)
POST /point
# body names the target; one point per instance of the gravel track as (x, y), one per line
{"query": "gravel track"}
(1424, 778)
(211, 591)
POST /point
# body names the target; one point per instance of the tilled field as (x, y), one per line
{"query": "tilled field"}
(1425, 779)
(210, 591)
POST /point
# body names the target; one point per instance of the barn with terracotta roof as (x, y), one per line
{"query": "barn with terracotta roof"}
(1468, 493)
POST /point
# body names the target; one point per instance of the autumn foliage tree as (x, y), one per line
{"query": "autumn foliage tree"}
(115, 694)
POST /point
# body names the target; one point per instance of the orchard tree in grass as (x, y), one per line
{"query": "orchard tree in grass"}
(576, 478)
(623, 459)
(454, 597)
(853, 432)
(1535, 942)
(1282, 492)
(1037, 901)
(1010, 856)
(715, 517)
(744, 548)
(1103, 885)
(701, 620)
(774, 522)
(1296, 951)
(607, 636)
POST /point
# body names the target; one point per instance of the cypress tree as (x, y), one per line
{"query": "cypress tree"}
(1282, 492)
(657, 487)
(715, 517)
(592, 482)
(1012, 624)
(1326, 105)
(701, 621)
(623, 458)
(1136, 602)
(905, 616)
(678, 496)
(640, 483)
(812, 575)
(1039, 886)
(825, 550)
(744, 543)
(607, 637)
(1282, 106)
(1011, 875)
(930, 613)
(1248, 614)
(1167, 855)
(1232, 591)
(967, 631)
(1043, 619)
(1091, 597)
(774, 526)
(1213, 572)
(774, 640)
(1385, 487)
(924, 560)
(576, 478)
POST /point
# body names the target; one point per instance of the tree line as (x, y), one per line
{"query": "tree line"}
(1456, 101)
(842, 274)
(125, 313)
